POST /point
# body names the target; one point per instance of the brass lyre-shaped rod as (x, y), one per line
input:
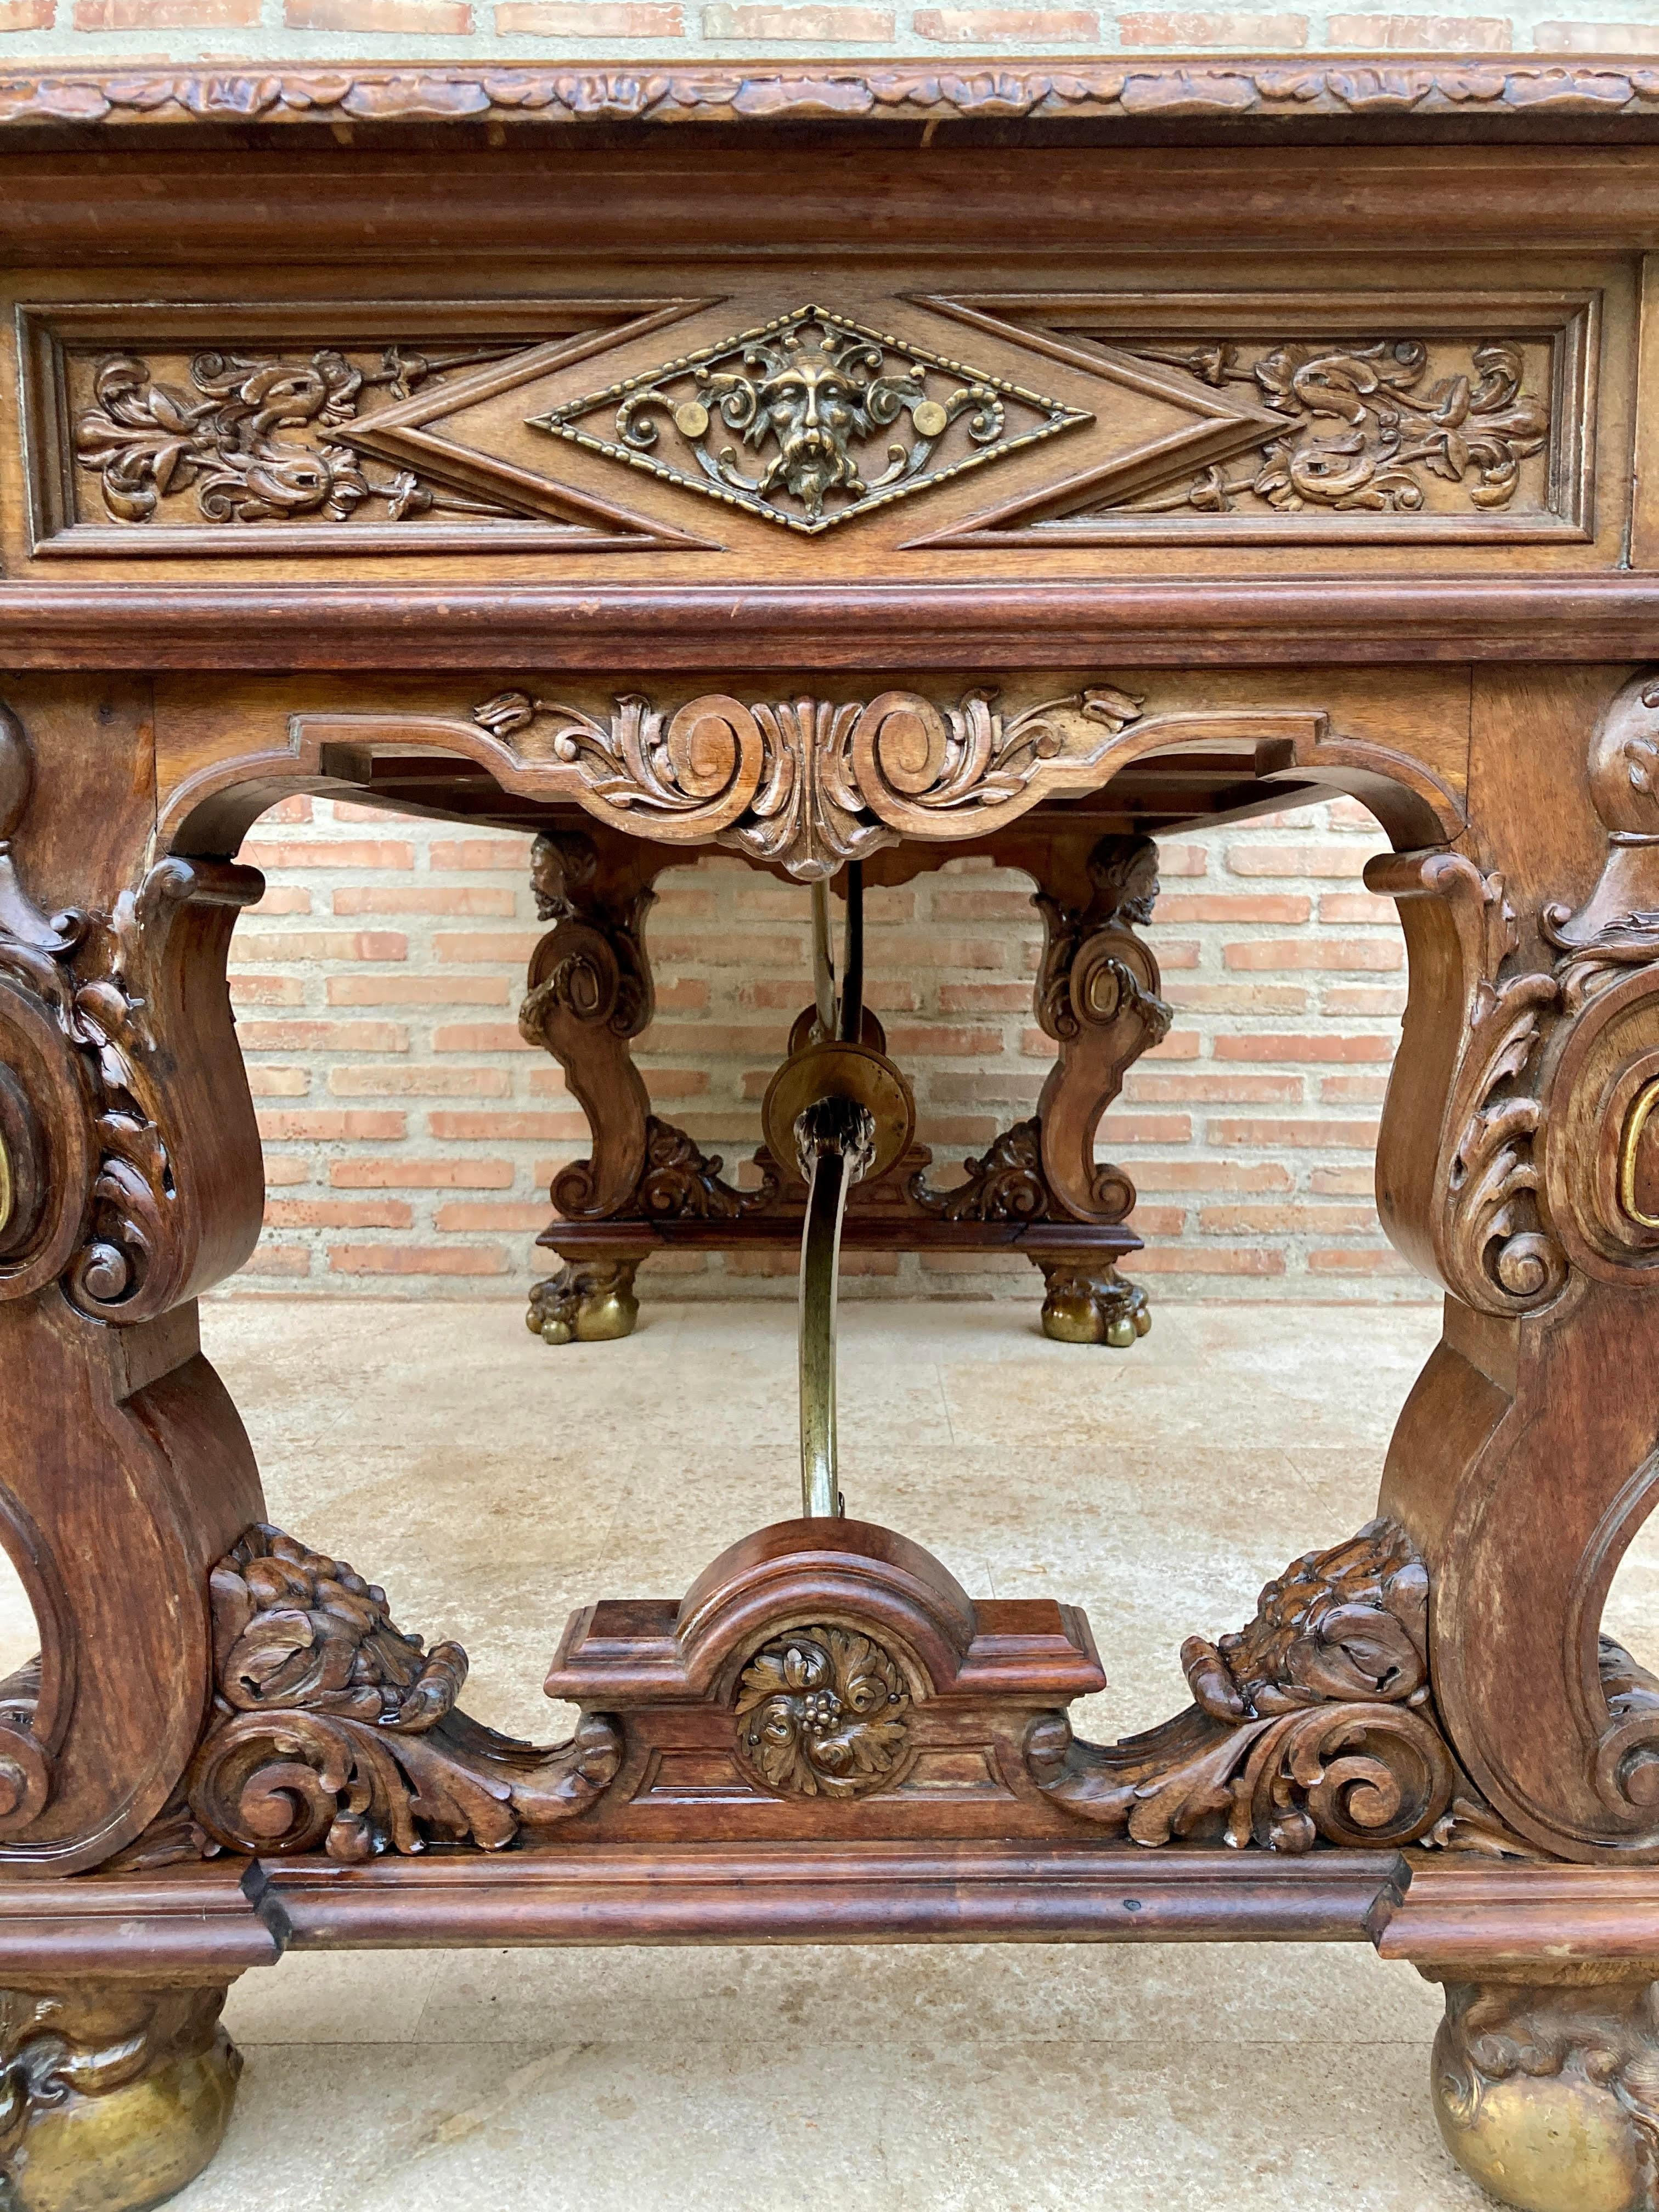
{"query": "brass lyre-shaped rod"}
(834, 1138)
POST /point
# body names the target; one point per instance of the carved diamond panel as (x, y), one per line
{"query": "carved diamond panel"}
(810, 419)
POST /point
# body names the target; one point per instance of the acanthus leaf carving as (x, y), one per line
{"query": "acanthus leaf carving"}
(1313, 1723)
(1362, 434)
(257, 438)
(332, 1727)
(811, 783)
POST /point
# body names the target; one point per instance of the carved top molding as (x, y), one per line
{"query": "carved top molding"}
(1533, 93)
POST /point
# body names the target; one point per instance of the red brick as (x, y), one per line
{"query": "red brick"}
(420, 1082)
(1213, 1175)
(710, 1040)
(426, 898)
(514, 948)
(931, 951)
(1596, 38)
(266, 990)
(495, 1128)
(1184, 860)
(418, 1259)
(982, 906)
(1178, 1044)
(281, 898)
(481, 853)
(319, 945)
(1281, 907)
(323, 1036)
(1261, 34)
(1344, 907)
(587, 19)
(1028, 27)
(1377, 954)
(988, 1086)
(1369, 1259)
(984, 998)
(842, 26)
(1344, 1182)
(419, 18)
(140, 15)
(1236, 998)
(351, 1126)
(1282, 1220)
(933, 1040)
(480, 1037)
(338, 853)
(338, 1213)
(1207, 1260)
(1364, 998)
(296, 809)
(286, 1259)
(404, 1174)
(287, 1169)
(1214, 1090)
(1322, 1045)
(464, 1214)
(1300, 860)
(1353, 1090)
(278, 1082)
(1347, 1135)
(419, 990)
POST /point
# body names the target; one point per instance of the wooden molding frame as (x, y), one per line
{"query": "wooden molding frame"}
(1529, 95)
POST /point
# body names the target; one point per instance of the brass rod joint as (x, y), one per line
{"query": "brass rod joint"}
(834, 1140)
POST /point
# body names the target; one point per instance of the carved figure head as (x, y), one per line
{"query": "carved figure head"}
(811, 393)
(1124, 871)
(1624, 761)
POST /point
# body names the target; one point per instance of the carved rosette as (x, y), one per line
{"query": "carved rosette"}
(1313, 1725)
(812, 784)
(822, 1712)
(332, 1728)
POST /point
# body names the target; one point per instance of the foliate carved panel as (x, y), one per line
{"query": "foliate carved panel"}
(160, 429)
(823, 1712)
(1397, 416)
(332, 1728)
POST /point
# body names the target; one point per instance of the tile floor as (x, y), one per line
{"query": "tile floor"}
(492, 1485)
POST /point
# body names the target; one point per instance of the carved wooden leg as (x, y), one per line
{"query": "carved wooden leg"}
(112, 2096)
(1547, 2092)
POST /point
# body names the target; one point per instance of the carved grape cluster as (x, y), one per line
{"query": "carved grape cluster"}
(822, 1712)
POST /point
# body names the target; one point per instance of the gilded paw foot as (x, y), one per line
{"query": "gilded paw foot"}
(587, 1301)
(1092, 1306)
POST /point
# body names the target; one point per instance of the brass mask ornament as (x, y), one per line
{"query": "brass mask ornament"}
(806, 394)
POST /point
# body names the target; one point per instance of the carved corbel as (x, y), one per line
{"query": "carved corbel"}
(1313, 1723)
(332, 1729)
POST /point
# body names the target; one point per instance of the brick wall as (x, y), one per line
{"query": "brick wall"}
(411, 1134)
(91, 31)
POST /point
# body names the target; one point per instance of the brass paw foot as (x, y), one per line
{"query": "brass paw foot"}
(1548, 2096)
(587, 1301)
(113, 2097)
(1092, 1306)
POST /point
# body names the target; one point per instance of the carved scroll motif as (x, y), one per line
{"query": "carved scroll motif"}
(1313, 1723)
(1362, 434)
(333, 1730)
(810, 783)
(259, 438)
(835, 420)
(91, 1190)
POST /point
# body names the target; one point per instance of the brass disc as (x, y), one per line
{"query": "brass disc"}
(839, 1070)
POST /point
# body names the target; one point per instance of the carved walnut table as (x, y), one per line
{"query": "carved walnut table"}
(847, 468)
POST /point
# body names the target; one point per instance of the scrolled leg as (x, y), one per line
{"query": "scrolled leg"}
(587, 1301)
(112, 2096)
(1548, 2094)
